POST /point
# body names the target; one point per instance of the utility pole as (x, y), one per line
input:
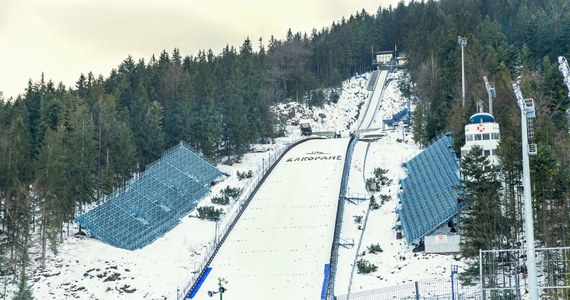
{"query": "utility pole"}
(462, 42)
(527, 116)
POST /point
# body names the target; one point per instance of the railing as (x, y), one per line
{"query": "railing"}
(225, 225)
(435, 288)
(504, 272)
(339, 214)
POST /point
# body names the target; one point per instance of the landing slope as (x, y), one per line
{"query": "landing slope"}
(281, 243)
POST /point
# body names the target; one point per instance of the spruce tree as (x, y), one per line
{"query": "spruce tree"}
(482, 224)
(24, 289)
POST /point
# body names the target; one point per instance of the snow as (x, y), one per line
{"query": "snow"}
(85, 268)
(283, 239)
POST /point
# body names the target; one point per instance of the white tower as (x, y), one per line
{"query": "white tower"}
(482, 131)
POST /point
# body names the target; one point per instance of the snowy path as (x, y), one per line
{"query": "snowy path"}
(279, 247)
(374, 102)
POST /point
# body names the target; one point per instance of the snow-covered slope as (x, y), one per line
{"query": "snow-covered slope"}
(85, 268)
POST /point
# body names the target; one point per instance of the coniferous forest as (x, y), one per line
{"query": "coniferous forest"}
(64, 147)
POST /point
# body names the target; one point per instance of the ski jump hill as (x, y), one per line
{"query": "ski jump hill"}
(280, 247)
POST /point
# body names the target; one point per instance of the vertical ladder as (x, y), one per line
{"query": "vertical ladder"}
(530, 115)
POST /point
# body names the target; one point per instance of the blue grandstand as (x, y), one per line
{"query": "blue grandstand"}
(153, 203)
(403, 115)
(429, 197)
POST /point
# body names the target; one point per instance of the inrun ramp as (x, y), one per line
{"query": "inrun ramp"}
(152, 204)
(281, 245)
(373, 104)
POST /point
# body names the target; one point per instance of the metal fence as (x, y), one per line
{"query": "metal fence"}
(436, 288)
(339, 213)
(503, 273)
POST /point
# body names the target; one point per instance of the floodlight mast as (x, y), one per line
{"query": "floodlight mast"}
(462, 42)
(565, 70)
(528, 113)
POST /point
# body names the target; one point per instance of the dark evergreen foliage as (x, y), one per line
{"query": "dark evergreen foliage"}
(69, 147)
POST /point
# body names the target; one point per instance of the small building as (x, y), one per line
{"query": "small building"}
(401, 60)
(305, 128)
(383, 59)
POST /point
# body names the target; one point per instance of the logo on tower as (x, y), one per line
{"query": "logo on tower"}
(480, 127)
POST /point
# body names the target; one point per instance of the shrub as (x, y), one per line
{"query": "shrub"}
(365, 267)
(209, 213)
(231, 192)
(372, 185)
(378, 181)
(225, 196)
(373, 204)
(357, 219)
(384, 198)
(374, 248)
(244, 175)
(221, 200)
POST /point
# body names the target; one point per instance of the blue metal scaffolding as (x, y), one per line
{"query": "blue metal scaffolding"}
(153, 203)
(429, 194)
(403, 115)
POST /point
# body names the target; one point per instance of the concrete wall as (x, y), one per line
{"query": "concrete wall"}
(441, 243)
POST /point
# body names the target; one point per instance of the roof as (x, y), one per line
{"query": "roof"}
(482, 118)
(428, 196)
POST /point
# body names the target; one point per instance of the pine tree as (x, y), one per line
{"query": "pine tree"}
(52, 188)
(510, 173)
(482, 224)
(82, 157)
(24, 289)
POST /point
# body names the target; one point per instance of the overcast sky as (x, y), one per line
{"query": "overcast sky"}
(64, 38)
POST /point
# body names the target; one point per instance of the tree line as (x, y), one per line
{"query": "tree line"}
(63, 148)
(507, 41)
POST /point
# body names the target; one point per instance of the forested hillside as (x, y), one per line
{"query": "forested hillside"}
(64, 147)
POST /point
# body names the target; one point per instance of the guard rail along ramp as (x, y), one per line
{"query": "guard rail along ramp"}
(338, 222)
(233, 216)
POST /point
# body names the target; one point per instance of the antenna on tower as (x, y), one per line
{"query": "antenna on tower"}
(491, 92)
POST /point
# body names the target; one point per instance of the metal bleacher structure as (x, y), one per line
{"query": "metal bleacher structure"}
(152, 203)
(403, 115)
(428, 194)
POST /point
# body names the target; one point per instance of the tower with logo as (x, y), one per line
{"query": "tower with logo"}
(482, 131)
